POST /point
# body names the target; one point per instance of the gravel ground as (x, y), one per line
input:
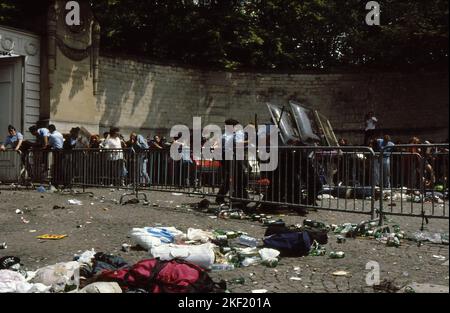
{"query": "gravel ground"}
(105, 227)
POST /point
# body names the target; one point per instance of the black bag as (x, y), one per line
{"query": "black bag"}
(318, 234)
(294, 244)
(278, 229)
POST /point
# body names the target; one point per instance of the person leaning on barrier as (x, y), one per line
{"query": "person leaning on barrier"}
(139, 145)
(94, 142)
(115, 160)
(71, 141)
(55, 138)
(14, 139)
(384, 144)
(156, 143)
(41, 135)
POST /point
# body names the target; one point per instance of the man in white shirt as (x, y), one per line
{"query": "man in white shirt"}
(41, 135)
(370, 126)
(55, 138)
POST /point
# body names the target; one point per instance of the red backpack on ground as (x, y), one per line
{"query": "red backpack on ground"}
(156, 276)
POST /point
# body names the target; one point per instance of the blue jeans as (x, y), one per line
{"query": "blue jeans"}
(386, 172)
(142, 163)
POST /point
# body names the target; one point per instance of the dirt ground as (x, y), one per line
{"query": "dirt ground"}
(104, 225)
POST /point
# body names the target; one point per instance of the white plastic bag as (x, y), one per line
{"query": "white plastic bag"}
(269, 254)
(142, 238)
(199, 235)
(201, 255)
(14, 282)
(86, 257)
(146, 240)
(102, 287)
(59, 275)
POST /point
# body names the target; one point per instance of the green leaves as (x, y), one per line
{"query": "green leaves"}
(264, 34)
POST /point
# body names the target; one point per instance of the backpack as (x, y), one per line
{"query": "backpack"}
(293, 244)
(156, 276)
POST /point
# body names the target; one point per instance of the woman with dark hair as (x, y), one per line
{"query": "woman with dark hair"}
(14, 139)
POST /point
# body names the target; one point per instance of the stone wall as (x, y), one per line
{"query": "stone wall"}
(134, 94)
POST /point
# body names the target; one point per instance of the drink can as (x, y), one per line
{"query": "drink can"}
(3, 246)
(126, 247)
(340, 239)
(222, 237)
(231, 234)
(256, 217)
(337, 255)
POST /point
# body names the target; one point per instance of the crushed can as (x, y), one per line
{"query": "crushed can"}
(340, 239)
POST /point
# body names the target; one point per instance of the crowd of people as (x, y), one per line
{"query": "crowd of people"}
(417, 164)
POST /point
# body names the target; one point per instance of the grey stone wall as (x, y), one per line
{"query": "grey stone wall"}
(140, 95)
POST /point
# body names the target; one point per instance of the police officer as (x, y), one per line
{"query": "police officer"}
(234, 171)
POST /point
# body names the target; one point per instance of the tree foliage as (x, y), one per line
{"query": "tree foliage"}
(269, 34)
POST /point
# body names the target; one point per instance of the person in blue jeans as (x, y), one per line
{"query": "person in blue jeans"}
(139, 144)
(383, 145)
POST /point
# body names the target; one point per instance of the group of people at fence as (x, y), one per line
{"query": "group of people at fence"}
(61, 158)
(114, 161)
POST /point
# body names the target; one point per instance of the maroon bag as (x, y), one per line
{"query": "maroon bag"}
(156, 276)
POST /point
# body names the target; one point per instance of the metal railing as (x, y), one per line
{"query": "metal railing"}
(414, 180)
(400, 180)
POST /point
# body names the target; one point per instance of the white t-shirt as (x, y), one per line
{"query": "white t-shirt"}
(371, 123)
(114, 143)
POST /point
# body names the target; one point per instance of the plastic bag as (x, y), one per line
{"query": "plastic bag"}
(142, 238)
(58, 276)
(13, 282)
(269, 254)
(102, 287)
(201, 255)
(149, 237)
(86, 257)
(199, 235)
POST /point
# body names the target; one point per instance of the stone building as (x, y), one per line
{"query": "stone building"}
(60, 76)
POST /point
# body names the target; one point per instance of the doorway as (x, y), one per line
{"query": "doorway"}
(11, 91)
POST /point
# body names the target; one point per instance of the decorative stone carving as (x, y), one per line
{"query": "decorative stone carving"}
(75, 42)
(8, 44)
(31, 49)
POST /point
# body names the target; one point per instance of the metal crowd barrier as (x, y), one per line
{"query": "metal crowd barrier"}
(413, 180)
(400, 180)
(320, 178)
(11, 167)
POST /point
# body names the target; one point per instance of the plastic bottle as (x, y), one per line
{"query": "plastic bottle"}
(222, 267)
(248, 241)
(251, 261)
